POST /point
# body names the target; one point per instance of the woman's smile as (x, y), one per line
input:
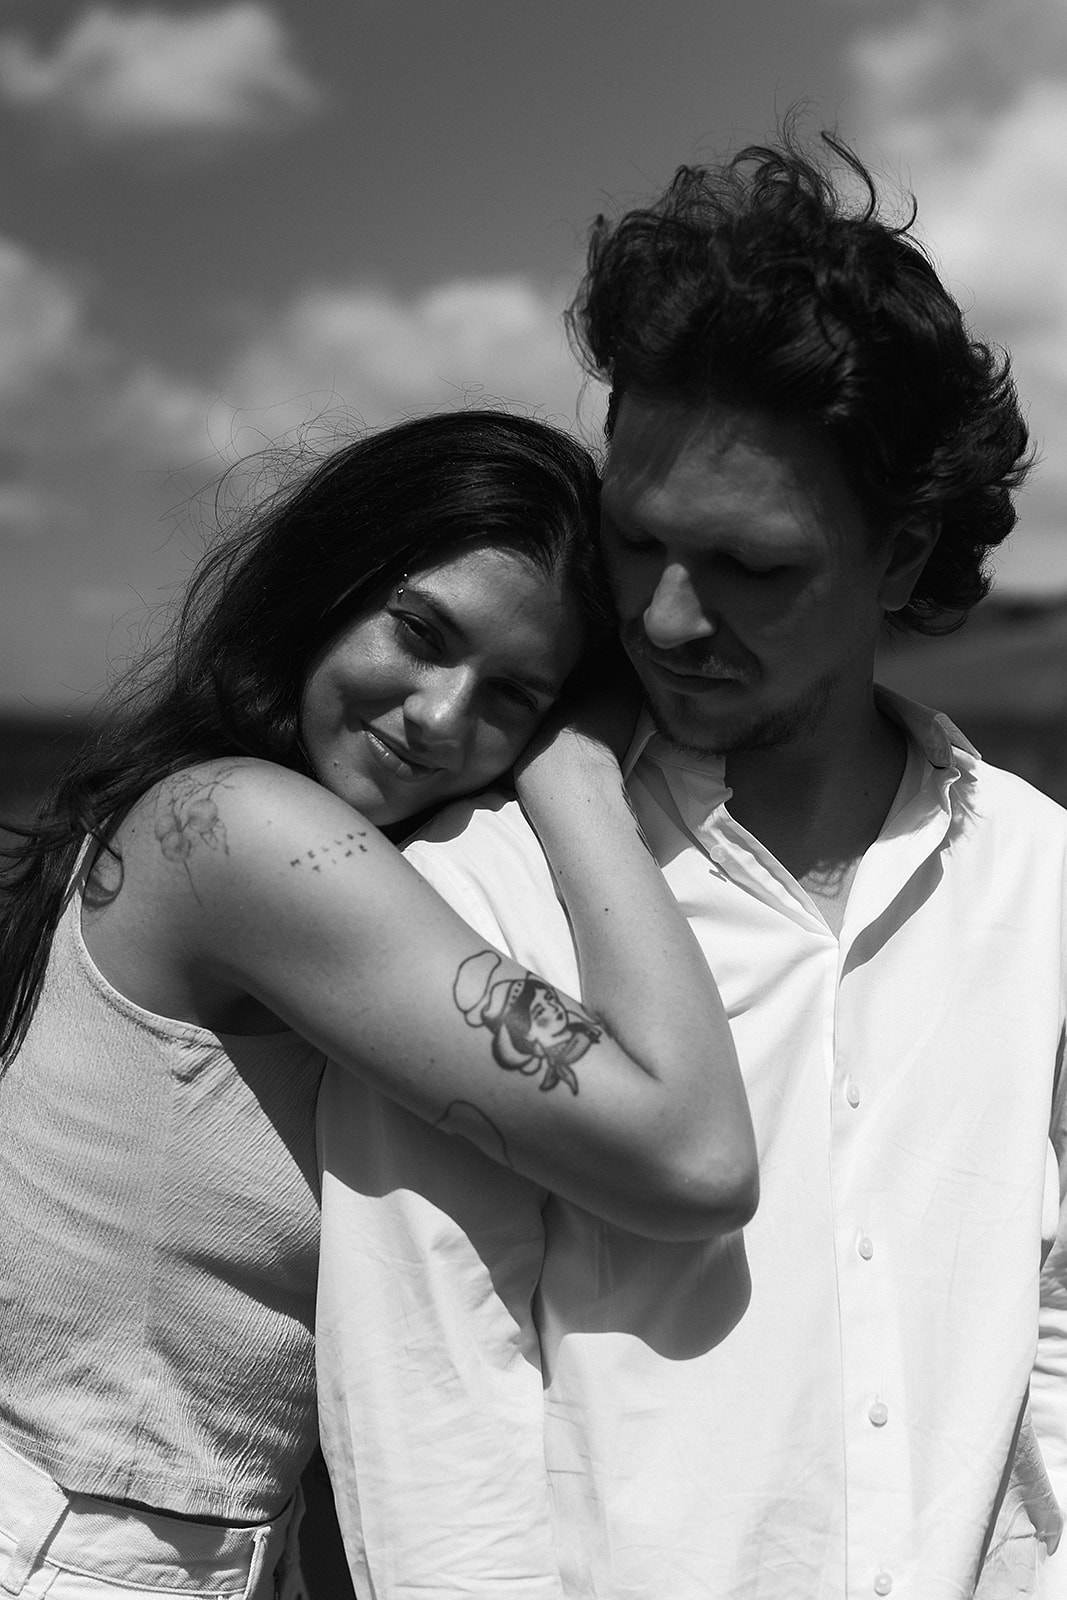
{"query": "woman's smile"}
(397, 758)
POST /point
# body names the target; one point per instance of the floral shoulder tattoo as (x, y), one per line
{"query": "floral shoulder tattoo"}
(187, 817)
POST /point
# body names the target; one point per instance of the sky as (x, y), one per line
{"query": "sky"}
(225, 227)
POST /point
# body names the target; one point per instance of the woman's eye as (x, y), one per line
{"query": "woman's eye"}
(519, 697)
(416, 633)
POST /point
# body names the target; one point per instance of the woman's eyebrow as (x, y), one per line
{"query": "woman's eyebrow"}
(443, 614)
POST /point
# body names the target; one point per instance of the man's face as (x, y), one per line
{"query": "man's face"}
(749, 586)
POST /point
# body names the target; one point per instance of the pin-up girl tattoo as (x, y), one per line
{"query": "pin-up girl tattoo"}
(532, 1028)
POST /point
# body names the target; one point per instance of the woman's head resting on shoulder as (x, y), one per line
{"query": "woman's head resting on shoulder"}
(394, 622)
(399, 621)
(435, 690)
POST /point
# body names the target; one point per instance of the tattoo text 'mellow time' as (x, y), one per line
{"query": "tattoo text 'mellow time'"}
(334, 850)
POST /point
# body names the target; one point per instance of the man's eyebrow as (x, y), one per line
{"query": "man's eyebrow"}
(789, 551)
(443, 614)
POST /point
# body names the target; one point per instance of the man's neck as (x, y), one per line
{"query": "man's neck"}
(818, 806)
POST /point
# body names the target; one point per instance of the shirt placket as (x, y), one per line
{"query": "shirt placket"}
(877, 1439)
(872, 1377)
(876, 1443)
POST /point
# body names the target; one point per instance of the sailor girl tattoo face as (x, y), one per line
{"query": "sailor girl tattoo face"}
(533, 1030)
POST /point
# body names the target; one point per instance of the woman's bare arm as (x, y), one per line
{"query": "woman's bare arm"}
(639, 961)
(251, 879)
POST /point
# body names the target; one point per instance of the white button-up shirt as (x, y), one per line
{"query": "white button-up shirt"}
(521, 1401)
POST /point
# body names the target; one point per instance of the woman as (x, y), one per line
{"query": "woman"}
(210, 908)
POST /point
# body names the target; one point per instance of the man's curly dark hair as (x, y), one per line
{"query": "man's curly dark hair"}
(756, 283)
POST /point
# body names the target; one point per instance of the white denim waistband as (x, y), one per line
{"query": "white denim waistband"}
(108, 1540)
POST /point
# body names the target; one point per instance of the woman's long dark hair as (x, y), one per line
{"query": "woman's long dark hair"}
(270, 594)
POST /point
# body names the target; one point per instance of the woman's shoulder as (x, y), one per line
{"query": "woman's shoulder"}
(214, 859)
(199, 803)
(229, 818)
(248, 778)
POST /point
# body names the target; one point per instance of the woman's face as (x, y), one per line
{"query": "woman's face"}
(434, 692)
(549, 1022)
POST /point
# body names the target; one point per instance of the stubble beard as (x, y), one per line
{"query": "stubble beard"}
(776, 729)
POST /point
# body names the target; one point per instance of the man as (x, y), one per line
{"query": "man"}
(804, 441)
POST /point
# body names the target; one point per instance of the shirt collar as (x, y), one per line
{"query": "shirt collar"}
(936, 735)
(643, 733)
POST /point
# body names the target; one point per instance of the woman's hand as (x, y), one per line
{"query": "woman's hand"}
(597, 716)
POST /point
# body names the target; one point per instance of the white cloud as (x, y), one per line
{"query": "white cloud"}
(122, 76)
(968, 102)
(39, 318)
(376, 356)
(956, 58)
(78, 416)
(104, 456)
(76, 410)
(26, 510)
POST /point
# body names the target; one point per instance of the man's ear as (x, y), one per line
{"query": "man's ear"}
(908, 550)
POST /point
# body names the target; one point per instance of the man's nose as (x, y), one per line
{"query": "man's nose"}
(676, 614)
(440, 714)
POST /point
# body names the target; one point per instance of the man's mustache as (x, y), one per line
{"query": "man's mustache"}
(696, 660)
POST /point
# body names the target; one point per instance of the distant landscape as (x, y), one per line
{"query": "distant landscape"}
(34, 747)
(1002, 678)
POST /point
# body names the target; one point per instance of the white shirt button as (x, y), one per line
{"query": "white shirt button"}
(852, 1092)
(866, 1248)
(879, 1415)
(883, 1583)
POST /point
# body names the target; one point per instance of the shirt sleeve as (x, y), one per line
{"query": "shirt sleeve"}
(430, 1386)
(1048, 1383)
